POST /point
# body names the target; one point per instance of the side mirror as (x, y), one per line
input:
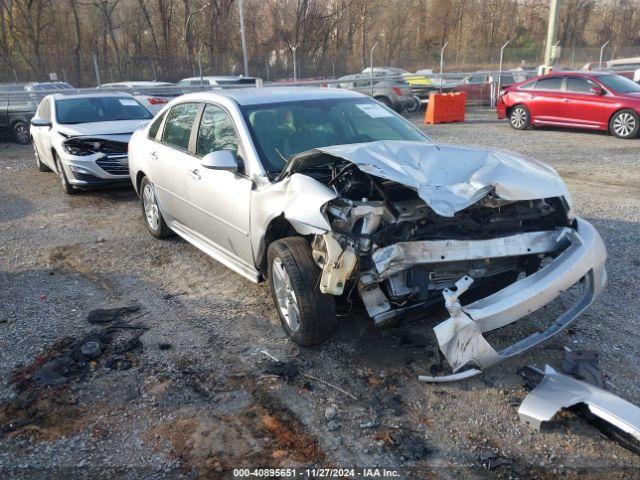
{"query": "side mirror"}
(39, 122)
(221, 160)
(596, 90)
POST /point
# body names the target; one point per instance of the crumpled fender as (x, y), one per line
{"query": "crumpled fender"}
(299, 199)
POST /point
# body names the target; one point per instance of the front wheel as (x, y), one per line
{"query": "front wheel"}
(625, 124)
(307, 315)
(41, 166)
(519, 118)
(66, 186)
(152, 215)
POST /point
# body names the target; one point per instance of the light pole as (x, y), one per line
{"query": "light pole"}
(602, 52)
(245, 60)
(295, 70)
(500, 67)
(442, 62)
(371, 64)
(552, 29)
(200, 63)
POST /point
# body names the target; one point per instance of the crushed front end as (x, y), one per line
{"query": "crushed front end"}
(406, 244)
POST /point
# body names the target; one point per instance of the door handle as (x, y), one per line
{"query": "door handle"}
(566, 100)
(195, 174)
(153, 156)
(532, 96)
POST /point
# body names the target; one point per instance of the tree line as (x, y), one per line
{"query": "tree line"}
(170, 39)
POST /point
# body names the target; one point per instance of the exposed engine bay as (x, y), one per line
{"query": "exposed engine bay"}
(412, 224)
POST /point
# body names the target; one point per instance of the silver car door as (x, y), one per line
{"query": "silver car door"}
(219, 199)
(169, 160)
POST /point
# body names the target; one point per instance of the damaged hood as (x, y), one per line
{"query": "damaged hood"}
(448, 178)
(102, 129)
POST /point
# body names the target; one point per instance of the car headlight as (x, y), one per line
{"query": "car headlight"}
(78, 149)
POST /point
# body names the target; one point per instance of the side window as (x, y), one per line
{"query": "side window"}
(579, 85)
(216, 131)
(177, 130)
(527, 86)
(155, 126)
(552, 83)
(44, 110)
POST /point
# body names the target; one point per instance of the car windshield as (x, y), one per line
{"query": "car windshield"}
(619, 84)
(280, 130)
(99, 109)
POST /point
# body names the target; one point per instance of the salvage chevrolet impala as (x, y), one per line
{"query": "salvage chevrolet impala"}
(327, 193)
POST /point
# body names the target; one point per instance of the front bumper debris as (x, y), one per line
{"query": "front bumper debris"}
(557, 391)
(460, 337)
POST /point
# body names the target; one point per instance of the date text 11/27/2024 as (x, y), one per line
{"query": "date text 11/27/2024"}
(316, 472)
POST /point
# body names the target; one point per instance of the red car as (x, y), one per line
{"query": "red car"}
(585, 100)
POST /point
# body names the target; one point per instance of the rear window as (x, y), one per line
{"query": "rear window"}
(177, 130)
(552, 83)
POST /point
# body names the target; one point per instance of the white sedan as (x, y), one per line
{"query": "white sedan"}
(84, 138)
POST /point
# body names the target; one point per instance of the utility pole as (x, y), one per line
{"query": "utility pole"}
(602, 53)
(244, 39)
(552, 31)
(442, 62)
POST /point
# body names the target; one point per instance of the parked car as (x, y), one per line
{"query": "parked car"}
(153, 95)
(391, 92)
(83, 138)
(38, 87)
(586, 100)
(219, 81)
(421, 86)
(16, 110)
(326, 193)
(480, 86)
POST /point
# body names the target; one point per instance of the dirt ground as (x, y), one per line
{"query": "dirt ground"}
(184, 385)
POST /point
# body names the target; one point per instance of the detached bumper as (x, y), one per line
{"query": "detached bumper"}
(460, 337)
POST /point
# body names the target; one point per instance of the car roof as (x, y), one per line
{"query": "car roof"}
(217, 77)
(257, 96)
(97, 93)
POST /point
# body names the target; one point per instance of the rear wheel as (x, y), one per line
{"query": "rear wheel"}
(21, 132)
(153, 217)
(625, 124)
(307, 315)
(66, 186)
(519, 117)
(415, 105)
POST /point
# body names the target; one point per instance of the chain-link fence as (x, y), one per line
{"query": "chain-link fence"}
(26, 82)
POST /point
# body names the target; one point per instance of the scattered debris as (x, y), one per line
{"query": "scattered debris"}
(490, 459)
(264, 352)
(583, 365)
(615, 417)
(330, 385)
(108, 315)
(331, 412)
(370, 424)
(286, 370)
(165, 346)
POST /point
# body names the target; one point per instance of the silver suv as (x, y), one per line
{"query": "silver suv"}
(330, 195)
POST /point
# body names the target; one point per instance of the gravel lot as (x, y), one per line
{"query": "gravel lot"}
(196, 396)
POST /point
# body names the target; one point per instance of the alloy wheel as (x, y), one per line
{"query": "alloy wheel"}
(22, 133)
(624, 124)
(285, 296)
(518, 117)
(151, 211)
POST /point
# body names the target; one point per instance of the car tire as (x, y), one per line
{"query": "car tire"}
(151, 213)
(307, 315)
(21, 132)
(624, 124)
(385, 101)
(519, 117)
(66, 186)
(41, 166)
(415, 105)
